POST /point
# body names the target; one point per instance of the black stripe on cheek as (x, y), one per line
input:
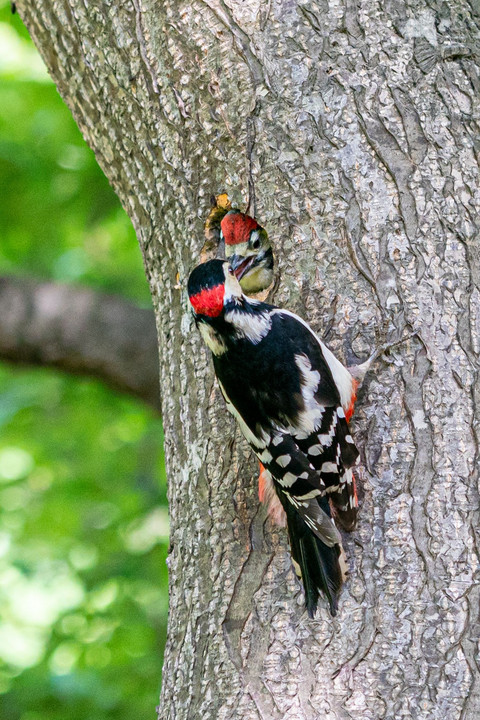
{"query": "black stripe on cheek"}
(268, 259)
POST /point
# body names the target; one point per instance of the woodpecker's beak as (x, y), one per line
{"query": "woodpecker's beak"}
(241, 265)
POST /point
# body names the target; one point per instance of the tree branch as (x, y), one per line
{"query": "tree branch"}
(80, 331)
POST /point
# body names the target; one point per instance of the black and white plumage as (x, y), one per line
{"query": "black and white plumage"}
(290, 396)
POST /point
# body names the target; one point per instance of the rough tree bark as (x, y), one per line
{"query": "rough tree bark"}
(80, 331)
(356, 124)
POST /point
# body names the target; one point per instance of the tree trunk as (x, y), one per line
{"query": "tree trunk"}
(356, 125)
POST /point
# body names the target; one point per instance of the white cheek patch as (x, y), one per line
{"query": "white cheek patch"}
(212, 339)
(232, 287)
(238, 249)
(253, 327)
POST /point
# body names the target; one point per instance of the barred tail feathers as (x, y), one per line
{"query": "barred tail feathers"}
(344, 498)
(345, 502)
(320, 566)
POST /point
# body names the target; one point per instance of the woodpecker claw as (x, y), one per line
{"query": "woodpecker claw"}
(359, 371)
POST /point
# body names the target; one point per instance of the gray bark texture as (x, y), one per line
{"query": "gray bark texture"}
(356, 123)
(80, 331)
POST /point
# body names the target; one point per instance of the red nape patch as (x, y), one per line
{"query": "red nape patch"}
(209, 301)
(236, 228)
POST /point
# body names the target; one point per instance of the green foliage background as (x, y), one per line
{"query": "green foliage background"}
(83, 519)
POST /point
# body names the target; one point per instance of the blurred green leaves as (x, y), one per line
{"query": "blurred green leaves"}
(59, 218)
(83, 519)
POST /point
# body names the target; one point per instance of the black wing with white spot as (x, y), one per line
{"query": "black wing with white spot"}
(287, 395)
(332, 453)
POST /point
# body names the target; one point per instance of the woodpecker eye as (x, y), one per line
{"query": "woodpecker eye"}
(256, 243)
(230, 270)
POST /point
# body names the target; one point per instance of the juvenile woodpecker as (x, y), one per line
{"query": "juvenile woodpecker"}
(248, 250)
(291, 398)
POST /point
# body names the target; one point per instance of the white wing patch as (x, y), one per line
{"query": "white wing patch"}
(311, 378)
(287, 480)
(310, 418)
(329, 467)
(327, 438)
(265, 456)
(312, 494)
(342, 378)
(283, 460)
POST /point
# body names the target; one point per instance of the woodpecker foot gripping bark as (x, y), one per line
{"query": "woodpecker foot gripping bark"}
(360, 371)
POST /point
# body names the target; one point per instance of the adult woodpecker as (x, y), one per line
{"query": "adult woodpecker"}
(248, 250)
(290, 396)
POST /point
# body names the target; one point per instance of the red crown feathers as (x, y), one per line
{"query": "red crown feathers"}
(236, 227)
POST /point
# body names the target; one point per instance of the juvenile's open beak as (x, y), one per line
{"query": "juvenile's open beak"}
(240, 265)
